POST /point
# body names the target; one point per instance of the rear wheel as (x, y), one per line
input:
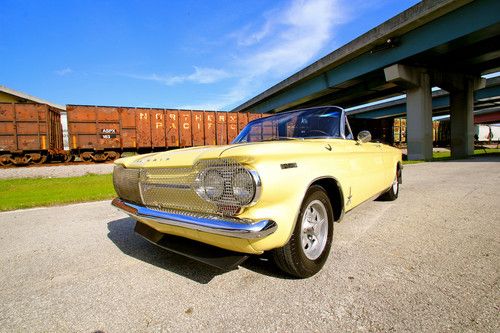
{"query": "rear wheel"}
(309, 246)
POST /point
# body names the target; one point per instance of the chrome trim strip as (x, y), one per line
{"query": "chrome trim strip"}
(216, 226)
(258, 187)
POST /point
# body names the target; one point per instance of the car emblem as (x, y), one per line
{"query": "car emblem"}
(349, 197)
(288, 165)
(329, 148)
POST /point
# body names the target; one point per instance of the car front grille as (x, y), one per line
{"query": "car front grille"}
(125, 182)
(172, 188)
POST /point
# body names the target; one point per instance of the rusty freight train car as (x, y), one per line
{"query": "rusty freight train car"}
(100, 133)
(30, 133)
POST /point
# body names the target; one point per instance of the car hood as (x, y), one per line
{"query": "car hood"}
(245, 152)
(172, 158)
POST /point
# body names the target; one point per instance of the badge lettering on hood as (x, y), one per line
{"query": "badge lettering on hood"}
(146, 160)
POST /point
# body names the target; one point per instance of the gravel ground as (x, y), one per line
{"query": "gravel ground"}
(56, 171)
(428, 262)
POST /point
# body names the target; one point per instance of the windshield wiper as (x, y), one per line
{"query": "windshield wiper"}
(279, 138)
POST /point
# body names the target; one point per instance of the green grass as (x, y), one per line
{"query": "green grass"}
(413, 162)
(35, 192)
(446, 155)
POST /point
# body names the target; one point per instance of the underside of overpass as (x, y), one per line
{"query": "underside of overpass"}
(486, 105)
(448, 44)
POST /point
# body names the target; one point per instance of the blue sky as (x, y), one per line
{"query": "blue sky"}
(211, 55)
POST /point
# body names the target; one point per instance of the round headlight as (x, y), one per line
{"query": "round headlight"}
(212, 184)
(243, 187)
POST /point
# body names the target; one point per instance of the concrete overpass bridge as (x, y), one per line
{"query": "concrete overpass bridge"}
(444, 43)
(486, 105)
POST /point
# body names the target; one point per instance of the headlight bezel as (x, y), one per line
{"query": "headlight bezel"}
(228, 197)
(252, 180)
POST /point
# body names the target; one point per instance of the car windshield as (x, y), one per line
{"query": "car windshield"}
(318, 122)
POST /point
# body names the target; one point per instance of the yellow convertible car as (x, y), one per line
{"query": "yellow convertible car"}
(279, 187)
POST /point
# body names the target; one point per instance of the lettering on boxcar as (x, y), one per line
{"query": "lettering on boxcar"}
(185, 126)
(108, 133)
(159, 124)
(143, 116)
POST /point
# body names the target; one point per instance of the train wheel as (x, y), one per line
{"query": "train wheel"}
(36, 158)
(5, 159)
(86, 156)
(41, 160)
(99, 157)
(68, 158)
(112, 155)
(22, 160)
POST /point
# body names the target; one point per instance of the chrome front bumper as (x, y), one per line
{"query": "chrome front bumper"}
(217, 226)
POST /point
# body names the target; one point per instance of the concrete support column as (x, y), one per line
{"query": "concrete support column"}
(461, 88)
(418, 108)
(462, 121)
(419, 120)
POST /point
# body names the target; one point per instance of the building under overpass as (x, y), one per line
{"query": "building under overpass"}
(444, 43)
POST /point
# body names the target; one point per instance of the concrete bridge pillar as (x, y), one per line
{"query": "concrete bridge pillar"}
(418, 108)
(461, 88)
(462, 121)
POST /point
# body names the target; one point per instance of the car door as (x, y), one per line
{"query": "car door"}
(366, 162)
(366, 166)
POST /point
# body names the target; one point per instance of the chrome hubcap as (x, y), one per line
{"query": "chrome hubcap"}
(314, 229)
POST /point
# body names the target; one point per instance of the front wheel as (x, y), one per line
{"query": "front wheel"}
(309, 246)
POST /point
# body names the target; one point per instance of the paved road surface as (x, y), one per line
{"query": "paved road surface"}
(428, 262)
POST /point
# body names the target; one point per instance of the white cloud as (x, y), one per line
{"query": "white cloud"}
(301, 32)
(288, 39)
(222, 102)
(247, 37)
(206, 75)
(64, 71)
(200, 75)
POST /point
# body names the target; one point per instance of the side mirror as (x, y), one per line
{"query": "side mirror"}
(364, 136)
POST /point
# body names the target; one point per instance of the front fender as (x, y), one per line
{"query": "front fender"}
(283, 191)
